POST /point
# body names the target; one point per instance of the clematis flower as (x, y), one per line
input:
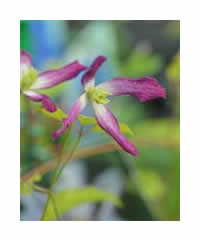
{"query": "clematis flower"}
(143, 89)
(31, 80)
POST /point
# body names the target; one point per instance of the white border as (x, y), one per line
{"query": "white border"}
(11, 227)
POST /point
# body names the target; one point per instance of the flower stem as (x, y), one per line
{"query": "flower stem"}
(58, 170)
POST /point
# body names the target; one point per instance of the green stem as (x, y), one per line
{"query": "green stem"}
(58, 170)
(46, 191)
(71, 153)
(54, 206)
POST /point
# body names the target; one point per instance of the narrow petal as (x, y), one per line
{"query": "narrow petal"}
(108, 122)
(25, 63)
(25, 58)
(88, 77)
(47, 103)
(143, 89)
(76, 109)
(52, 78)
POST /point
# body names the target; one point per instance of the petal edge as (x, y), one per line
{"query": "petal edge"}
(108, 122)
(76, 109)
(52, 78)
(47, 103)
(144, 89)
(88, 77)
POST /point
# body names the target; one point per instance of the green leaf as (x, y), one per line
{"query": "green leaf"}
(150, 184)
(68, 199)
(125, 129)
(57, 115)
(85, 120)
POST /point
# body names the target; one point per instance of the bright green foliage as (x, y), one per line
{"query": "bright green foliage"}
(86, 120)
(57, 115)
(150, 184)
(125, 129)
(27, 187)
(68, 199)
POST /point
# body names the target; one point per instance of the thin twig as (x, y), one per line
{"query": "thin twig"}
(92, 151)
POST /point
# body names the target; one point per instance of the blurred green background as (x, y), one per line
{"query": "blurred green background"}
(148, 185)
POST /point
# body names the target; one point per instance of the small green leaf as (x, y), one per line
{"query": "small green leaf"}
(125, 129)
(85, 120)
(150, 184)
(68, 199)
(57, 115)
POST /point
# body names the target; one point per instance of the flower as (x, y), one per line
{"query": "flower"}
(143, 89)
(31, 80)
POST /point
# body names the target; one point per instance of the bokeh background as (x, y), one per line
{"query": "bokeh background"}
(149, 185)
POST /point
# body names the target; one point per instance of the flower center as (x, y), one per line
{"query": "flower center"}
(28, 78)
(98, 95)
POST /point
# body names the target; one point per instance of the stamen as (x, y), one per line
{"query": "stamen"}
(98, 95)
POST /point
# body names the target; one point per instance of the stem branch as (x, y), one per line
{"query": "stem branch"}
(58, 170)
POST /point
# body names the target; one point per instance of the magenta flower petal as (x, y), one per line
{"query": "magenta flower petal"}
(108, 122)
(47, 103)
(76, 109)
(25, 63)
(52, 78)
(25, 58)
(88, 77)
(36, 97)
(143, 89)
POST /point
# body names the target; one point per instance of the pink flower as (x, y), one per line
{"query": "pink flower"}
(143, 89)
(31, 80)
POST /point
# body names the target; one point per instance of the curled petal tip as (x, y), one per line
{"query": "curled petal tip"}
(135, 153)
(65, 124)
(48, 104)
(144, 89)
(76, 109)
(55, 135)
(163, 93)
(108, 122)
(89, 75)
(98, 61)
(25, 57)
(101, 58)
(80, 66)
